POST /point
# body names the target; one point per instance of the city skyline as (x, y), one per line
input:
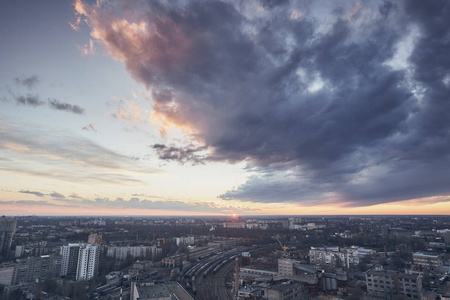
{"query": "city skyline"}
(224, 107)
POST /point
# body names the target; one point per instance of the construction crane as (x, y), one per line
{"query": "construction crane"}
(282, 246)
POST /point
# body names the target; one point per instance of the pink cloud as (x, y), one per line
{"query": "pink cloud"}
(146, 44)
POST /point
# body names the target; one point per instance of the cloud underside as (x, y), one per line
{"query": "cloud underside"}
(352, 108)
(134, 203)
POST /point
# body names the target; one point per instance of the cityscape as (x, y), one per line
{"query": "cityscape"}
(272, 257)
(224, 149)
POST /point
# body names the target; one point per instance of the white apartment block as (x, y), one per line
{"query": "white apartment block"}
(88, 262)
(79, 261)
(333, 256)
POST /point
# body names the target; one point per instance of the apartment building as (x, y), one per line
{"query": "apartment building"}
(387, 284)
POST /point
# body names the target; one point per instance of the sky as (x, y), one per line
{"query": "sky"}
(208, 107)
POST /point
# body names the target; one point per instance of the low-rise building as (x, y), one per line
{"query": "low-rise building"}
(387, 283)
(158, 291)
(287, 291)
(262, 273)
(7, 274)
(332, 257)
(428, 261)
(121, 252)
(286, 266)
(185, 240)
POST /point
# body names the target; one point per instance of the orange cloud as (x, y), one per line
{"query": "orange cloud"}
(15, 147)
(131, 112)
(161, 42)
(88, 49)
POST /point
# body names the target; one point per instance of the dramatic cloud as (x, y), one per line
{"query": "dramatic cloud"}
(351, 108)
(31, 100)
(32, 193)
(29, 82)
(55, 104)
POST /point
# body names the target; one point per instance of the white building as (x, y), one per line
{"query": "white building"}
(333, 256)
(185, 240)
(80, 261)
(143, 252)
(88, 262)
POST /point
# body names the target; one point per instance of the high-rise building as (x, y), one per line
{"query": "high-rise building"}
(69, 261)
(7, 230)
(88, 262)
(80, 261)
(37, 267)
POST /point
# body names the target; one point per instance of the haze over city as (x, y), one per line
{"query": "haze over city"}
(224, 107)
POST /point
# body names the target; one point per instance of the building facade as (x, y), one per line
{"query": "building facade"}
(88, 262)
(37, 267)
(287, 291)
(121, 252)
(387, 284)
(427, 261)
(333, 257)
(7, 230)
(80, 261)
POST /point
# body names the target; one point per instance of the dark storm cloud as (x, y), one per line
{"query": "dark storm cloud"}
(269, 188)
(181, 154)
(29, 82)
(31, 100)
(39, 194)
(318, 105)
(273, 3)
(55, 104)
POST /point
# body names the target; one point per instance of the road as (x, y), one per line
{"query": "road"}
(213, 286)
